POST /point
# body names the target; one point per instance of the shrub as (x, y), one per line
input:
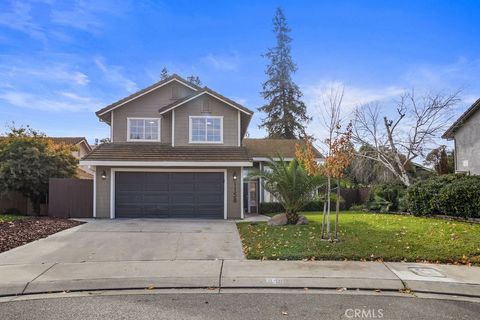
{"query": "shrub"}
(451, 194)
(421, 197)
(359, 207)
(316, 205)
(270, 207)
(386, 197)
(460, 198)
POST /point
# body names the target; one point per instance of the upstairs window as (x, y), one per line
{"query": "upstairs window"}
(206, 129)
(143, 129)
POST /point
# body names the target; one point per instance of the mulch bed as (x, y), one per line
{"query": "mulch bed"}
(19, 232)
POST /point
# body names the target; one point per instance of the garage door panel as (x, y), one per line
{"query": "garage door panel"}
(156, 198)
(161, 187)
(169, 194)
(209, 198)
(126, 198)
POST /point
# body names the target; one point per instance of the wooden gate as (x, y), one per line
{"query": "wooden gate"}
(70, 198)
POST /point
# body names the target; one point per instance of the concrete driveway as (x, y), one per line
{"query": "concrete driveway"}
(133, 240)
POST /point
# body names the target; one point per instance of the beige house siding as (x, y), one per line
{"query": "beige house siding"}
(467, 146)
(147, 107)
(103, 191)
(216, 108)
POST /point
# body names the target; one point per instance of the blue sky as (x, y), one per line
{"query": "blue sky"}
(62, 60)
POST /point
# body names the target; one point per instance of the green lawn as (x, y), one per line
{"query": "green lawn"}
(9, 217)
(366, 236)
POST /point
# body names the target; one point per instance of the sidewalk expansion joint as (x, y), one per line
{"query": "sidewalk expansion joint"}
(42, 273)
(220, 276)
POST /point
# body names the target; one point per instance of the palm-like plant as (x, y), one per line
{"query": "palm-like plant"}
(291, 184)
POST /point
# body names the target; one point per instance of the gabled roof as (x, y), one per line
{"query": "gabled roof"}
(146, 90)
(450, 133)
(200, 93)
(264, 148)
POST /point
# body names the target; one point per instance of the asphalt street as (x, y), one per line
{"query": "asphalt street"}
(239, 306)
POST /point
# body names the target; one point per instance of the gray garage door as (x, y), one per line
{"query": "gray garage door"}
(169, 195)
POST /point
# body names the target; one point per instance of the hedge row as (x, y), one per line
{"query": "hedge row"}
(453, 195)
(276, 207)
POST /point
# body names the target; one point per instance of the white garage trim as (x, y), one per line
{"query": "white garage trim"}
(114, 170)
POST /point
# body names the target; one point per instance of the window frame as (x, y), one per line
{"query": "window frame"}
(145, 119)
(190, 128)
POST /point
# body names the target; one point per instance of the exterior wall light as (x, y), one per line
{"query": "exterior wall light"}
(104, 174)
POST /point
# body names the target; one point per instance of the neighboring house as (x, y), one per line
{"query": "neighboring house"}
(465, 132)
(177, 151)
(82, 149)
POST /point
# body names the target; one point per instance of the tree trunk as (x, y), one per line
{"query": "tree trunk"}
(292, 217)
(337, 209)
(324, 214)
(328, 206)
(403, 175)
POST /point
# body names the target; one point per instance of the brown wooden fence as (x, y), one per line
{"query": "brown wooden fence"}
(70, 198)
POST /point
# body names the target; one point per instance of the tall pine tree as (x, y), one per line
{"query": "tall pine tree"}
(286, 112)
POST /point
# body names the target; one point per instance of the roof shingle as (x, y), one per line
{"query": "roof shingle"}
(272, 147)
(163, 152)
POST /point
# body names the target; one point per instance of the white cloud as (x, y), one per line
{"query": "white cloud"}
(228, 62)
(50, 102)
(353, 95)
(20, 19)
(45, 71)
(86, 15)
(114, 75)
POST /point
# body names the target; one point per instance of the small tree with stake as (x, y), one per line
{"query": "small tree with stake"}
(336, 162)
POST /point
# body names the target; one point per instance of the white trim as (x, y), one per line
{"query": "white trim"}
(112, 193)
(173, 128)
(238, 124)
(95, 193)
(140, 95)
(167, 163)
(242, 209)
(114, 170)
(202, 93)
(145, 119)
(190, 118)
(225, 197)
(111, 127)
(260, 185)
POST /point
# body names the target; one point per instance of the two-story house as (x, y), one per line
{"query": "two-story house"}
(465, 132)
(178, 151)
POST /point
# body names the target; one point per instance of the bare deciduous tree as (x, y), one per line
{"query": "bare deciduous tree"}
(397, 141)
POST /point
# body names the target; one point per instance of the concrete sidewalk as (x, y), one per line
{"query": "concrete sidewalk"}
(57, 277)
